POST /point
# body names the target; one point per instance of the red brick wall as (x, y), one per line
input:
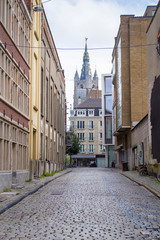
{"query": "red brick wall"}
(28, 3)
(15, 115)
(12, 49)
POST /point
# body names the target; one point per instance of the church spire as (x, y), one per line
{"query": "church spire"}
(95, 74)
(85, 72)
(76, 76)
(86, 45)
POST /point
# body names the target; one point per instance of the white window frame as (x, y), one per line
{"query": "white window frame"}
(91, 148)
(82, 148)
(83, 136)
(102, 148)
(91, 139)
(81, 113)
(80, 124)
(91, 124)
(91, 112)
(100, 112)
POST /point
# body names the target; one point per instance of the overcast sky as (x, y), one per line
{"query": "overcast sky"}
(72, 20)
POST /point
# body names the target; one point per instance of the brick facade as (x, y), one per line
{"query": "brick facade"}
(130, 81)
(14, 92)
(153, 58)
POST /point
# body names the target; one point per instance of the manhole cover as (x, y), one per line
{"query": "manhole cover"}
(56, 193)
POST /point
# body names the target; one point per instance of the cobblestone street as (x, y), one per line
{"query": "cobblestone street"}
(88, 203)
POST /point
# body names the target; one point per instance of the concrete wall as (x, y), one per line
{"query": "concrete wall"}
(153, 60)
(140, 134)
(5, 180)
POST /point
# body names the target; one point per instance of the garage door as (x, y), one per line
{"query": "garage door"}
(101, 162)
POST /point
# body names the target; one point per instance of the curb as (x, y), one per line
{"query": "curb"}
(157, 194)
(19, 199)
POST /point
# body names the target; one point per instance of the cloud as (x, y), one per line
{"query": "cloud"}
(72, 20)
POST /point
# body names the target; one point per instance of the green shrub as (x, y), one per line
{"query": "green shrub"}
(52, 173)
(44, 173)
(48, 174)
(42, 176)
(155, 165)
(29, 180)
(6, 189)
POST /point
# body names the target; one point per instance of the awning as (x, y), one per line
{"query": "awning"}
(83, 156)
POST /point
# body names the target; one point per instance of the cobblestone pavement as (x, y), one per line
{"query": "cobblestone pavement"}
(148, 181)
(86, 204)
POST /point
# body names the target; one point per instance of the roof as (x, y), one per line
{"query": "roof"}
(90, 103)
(95, 93)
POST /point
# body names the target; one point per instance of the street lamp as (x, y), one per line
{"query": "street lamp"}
(38, 9)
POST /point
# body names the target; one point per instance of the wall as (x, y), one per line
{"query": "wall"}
(140, 135)
(153, 61)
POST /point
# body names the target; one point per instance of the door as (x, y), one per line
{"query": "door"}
(14, 162)
(111, 156)
(101, 162)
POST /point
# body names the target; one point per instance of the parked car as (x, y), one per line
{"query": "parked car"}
(93, 164)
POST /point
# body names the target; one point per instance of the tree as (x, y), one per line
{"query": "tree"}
(74, 145)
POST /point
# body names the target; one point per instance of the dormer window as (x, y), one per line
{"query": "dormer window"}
(81, 113)
(100, 112)
(90, 113)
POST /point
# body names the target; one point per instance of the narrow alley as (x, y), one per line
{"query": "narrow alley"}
(88, 203)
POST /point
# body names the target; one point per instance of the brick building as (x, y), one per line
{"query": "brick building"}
(153, 58)
(52, 110)
(130, 103)
(15, 23)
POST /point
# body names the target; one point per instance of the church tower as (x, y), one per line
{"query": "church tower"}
(84, 84)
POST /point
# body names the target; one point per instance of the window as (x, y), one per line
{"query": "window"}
(41, 145)
(72, 125)
(100, 112)
(91, 138)
(100, 135)
(108, 104)
(108, 130)
(153, 12)
(91, 148)
(100, 123)
(81, 113)
(41, 90)
(82, 148)
(51, 99)
(47, 98)
(34, 82)
(54, 135)
(90, 124)
(57, 142)
(80, 124)
(108, 85)
(81, 136)
(46, 152)
(101, 148)
(90, 113)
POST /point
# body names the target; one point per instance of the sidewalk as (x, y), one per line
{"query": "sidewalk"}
(9, 199)
(148, 182)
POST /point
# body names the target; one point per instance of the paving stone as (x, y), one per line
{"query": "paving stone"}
(87, 204)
